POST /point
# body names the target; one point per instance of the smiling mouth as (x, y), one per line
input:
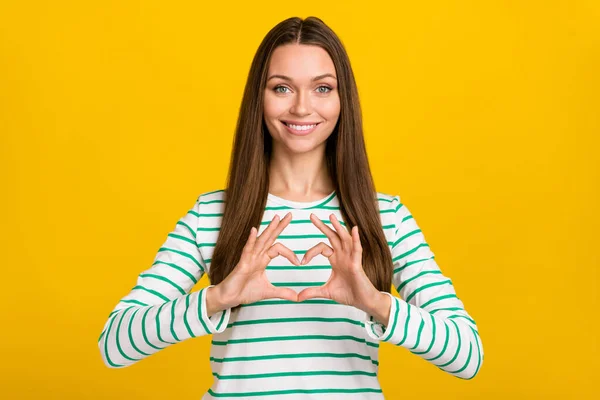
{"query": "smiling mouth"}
(300, 130)
(301, 126)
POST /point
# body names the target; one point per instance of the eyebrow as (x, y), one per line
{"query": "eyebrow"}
(316, 78)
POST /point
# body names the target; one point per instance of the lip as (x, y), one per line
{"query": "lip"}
(300, 133)
(289, 121)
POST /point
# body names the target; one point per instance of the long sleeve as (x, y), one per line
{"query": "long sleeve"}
(160, 311)
(429, 320)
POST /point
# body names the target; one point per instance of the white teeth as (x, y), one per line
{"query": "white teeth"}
(301, 127)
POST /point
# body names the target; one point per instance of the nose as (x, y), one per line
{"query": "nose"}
(301, 104)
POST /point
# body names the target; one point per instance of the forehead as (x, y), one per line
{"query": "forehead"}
(300, 61)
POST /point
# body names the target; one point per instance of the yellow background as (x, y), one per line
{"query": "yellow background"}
(482, 115)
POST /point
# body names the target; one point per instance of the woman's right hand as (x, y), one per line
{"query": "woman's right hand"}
(247, 283)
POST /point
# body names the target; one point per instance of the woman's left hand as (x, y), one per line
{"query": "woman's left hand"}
(348, 284)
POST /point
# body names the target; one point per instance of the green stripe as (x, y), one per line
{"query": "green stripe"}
(294, 267)
(439, 298)
(268, 221)
(299, 319)
(391, 329)
(417, 290)
(280, 237)
(446, 309)
(479, 356)
(408, 264)
(421, 326)
(133, 301)
(178, 268)
(211, 229)
(101, 335)
(279, 302)
(276, 208)
(213, 192)
(112, 364)
(125, 356)
(466, 362)
(158, 325)
(154, 292)
(221, 320)
(144, 331)
(327, 200)
(434, 326)
(306, 221)
(186, 226)
(185, 318)
(200, 310)
(280, 284)
(408, 308)
(295, 337)
(164, 279)
(287, 356)
(411, 251)
(445, 343)
(172, 327)
(179, 237)
(409, 234)
(458, 347)
(417, 276)
(293, 391)
(303, 373)
(184, 254)
(130, 333)
(463, 316)
(212, 202)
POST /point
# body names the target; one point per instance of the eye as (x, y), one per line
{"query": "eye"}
(278, 87)
(326, 87)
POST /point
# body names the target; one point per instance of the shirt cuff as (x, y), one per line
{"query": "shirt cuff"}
(380, 331)
(215, 323)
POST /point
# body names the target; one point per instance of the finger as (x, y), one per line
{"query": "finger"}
(280, 249)
(282, 293)
(251, 238)
(319, 248)
(356, 246)
(342, 232)
(261, 238)
(287, 218)
(312, 292)
(332, 235)
(264, 238)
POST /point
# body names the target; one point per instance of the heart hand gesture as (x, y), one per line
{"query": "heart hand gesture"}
(248, 282)
(348, 284)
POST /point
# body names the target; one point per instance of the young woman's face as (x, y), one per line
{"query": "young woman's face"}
(301, 90)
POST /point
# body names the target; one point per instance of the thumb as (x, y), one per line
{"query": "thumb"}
(283, 293)
(311, 292)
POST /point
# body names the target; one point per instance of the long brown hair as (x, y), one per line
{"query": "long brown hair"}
(346, 157)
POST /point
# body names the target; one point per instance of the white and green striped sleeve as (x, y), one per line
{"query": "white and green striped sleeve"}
(160, 310)
(429, 320)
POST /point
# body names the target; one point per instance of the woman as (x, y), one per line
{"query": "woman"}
(302, 316)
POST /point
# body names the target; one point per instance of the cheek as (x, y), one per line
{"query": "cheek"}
(273, 107)
(329, 109)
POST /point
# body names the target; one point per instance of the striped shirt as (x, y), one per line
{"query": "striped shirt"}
(276, 348)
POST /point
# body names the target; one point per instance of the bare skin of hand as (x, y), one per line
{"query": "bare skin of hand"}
(348, 284)
(248, 282)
